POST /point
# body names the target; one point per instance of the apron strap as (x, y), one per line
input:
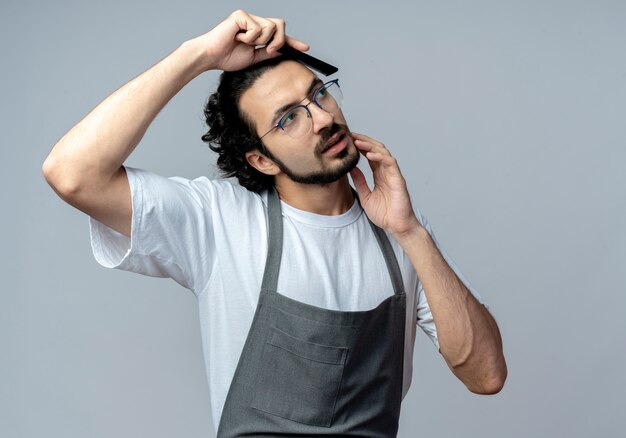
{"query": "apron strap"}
(390, 258)
(275, 246)
(275, 242)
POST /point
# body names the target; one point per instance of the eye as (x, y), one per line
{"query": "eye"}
(289, 118)
(321, 93)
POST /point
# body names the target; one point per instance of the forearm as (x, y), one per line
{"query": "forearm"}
(94, 149)
(469, 338)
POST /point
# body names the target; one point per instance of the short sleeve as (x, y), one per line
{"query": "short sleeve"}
(424, 315)
(171, 230)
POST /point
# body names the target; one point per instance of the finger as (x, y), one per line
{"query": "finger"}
(377, 145)
(248, 36)
(261, 54)
(362, 145)
(250, 26)
(278, 39)
(386, 160)
(360, 183)
(373, 160)
(297, 44)
(268, 28)
(281, 24)
(368, 146)
(364, 137)
(376, 160)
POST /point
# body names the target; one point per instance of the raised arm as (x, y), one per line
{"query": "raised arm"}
(85, 166)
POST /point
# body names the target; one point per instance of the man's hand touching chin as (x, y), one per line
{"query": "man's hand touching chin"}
(388, 204)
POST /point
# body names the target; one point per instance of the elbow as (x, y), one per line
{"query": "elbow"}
(490, 387)
(58, 178)
(492, 383)
(48, 170)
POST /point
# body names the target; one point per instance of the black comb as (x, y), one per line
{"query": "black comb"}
(316, 64)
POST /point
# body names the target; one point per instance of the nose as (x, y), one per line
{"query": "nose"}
(320, 118)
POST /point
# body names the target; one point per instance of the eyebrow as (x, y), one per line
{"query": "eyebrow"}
(314, 83)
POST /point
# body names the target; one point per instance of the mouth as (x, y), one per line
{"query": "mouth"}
(334, 143)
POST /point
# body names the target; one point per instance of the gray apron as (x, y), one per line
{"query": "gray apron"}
(309, 371)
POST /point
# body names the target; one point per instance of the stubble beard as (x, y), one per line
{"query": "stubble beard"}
(329, 174)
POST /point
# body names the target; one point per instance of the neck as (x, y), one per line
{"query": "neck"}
(328, 199)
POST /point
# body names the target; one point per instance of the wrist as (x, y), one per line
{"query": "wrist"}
(410, 235)
(196, 54)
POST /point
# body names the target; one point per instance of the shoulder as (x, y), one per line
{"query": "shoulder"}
(227, 192)
(202, 190)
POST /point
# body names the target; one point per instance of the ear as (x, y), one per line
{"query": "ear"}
(261, 163)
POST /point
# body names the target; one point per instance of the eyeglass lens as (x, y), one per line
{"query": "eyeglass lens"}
(298, 122)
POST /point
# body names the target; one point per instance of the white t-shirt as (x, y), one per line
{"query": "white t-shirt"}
(210, 236)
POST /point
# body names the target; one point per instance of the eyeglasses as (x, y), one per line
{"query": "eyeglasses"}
(297, 122)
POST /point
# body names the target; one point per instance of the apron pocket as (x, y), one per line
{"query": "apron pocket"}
(299, 380)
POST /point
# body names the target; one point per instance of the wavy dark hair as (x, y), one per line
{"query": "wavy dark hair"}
(230, 133)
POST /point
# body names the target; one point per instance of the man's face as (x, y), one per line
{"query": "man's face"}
(303, 160)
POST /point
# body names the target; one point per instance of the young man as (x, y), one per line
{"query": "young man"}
(309, 295)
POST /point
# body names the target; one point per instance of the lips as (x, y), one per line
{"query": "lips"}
(332, 140)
